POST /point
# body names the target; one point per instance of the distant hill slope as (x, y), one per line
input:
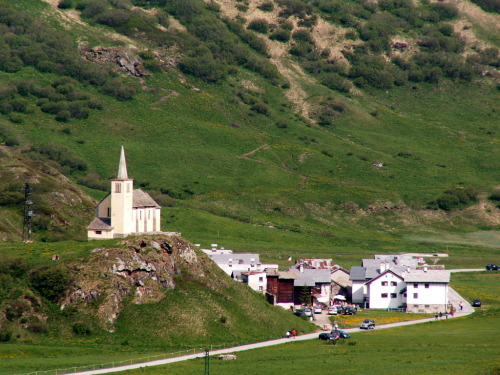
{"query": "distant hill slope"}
(318, 119)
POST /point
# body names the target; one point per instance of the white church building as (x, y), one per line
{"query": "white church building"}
(125, 210)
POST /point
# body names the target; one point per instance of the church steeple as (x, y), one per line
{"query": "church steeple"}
(122, 168)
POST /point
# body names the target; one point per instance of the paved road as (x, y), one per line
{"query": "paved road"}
(453, 296)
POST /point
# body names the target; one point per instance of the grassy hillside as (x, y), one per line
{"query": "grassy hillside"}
(242, 127)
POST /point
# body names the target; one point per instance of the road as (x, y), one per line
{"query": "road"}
(453, 297)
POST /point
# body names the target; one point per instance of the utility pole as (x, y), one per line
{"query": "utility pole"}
(207, 362)
(28, 213)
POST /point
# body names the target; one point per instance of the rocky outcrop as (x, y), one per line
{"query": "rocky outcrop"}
(127, 61)
(143, 268)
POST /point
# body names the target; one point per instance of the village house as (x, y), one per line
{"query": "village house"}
(125, 210)
(390, 282)
(257, 280)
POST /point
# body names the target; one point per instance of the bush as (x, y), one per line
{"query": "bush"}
(489, 5)
(454, 199)
(65, 4)
(266, 6)
(5, 336)
(50, 283)
(81, 329)
(281, 35)
(259, 25)
(204, 67)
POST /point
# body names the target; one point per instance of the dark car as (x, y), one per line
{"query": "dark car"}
(334, 335)
(491, 267)
(367, 324)
(349, 310)
(476, 303)
(342, 334)
(299, 313)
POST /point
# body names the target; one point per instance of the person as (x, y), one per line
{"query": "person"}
(288, 334)
(294, 333)
(335, 326)
(452, 312)
(436, 316)
(461, 305)
(446, 314)
(440, 315)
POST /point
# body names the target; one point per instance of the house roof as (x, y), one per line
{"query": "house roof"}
(235, 258)
(316, 263)
(143, 199)
(384, 273)
(311, 277)
(358, 273)
(100, 223)
(287, 274)
(430, 276)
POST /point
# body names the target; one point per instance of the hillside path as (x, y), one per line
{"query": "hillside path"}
(453, 297)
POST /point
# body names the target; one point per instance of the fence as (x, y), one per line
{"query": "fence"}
(113, 364)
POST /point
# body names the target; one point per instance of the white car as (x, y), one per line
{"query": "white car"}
(308, 312)
(317, 310)
(332, 310)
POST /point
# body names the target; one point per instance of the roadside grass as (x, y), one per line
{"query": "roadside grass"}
(379, 316)
(464, 346)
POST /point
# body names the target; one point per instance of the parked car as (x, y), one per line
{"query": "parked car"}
(348, 310)
(342, 334)
(299, 313)
(334, 335)
(308, 312)
(340, 309)
(367, 324)
(491, 267)
(476, 303)
(332, 310)
(318, 310)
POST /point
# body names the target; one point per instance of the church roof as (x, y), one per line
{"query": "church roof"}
(143, 199)
(100, 223)
(122, 167)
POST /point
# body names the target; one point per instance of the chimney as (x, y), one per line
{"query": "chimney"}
(425, 267)
(382, 267)
(301, 268)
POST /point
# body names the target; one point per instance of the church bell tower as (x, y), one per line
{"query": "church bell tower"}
(122, 189)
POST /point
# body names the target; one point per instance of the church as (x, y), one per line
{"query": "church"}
(125, 211)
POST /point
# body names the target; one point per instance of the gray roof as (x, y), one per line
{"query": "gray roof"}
(100, 223)
(143, 199)
(235, 258)
(311, 277)
(430, 276)
(357, 273)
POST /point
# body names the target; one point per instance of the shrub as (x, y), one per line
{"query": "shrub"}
(336, 82)
(259, 25)
(261, 108)
(114, 18)
(489, 5)
(281, 35)
(266, 6)
(5, 336)
(65, 4)
(50, 283)
(454, 199)
(81, 329)
(204, 67)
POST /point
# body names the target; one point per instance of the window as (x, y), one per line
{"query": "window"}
(118, 188)
(394, 295)
(426, 286)
(415, 295)
(261, 279)
(415, 286)
(261, 288)
(394, 283)
(384, 283)
(240, 261)
(98, 232)
(383, 295)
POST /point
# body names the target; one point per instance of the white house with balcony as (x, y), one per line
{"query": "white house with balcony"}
(236, 263)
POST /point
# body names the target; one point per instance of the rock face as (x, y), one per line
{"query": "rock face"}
(127, 61)
(143, 270)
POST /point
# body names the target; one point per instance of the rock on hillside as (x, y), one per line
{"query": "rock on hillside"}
(143, 270)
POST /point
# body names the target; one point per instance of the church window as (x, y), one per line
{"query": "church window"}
(109, 211)
(118, 188)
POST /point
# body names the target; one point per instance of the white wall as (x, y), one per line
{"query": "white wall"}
(376, 290)
(358, 294)
(255, 282)
(434, 294)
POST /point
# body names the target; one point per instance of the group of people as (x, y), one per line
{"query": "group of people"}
(291, 333)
